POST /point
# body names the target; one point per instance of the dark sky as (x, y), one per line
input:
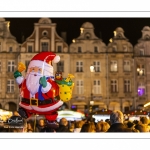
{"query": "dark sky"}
(131, 26)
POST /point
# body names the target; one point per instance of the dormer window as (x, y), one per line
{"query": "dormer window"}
(44, 33)
(59, 49)
(141, 52)
(87, 35)
(119, 36)
(10, 49)
(147, 37)
(95, 49)
(125, 48)
(114, 48)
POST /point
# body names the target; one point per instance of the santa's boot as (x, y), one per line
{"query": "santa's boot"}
(22, 112)
(51, 117)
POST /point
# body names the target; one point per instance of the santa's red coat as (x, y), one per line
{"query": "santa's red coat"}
(49, 110)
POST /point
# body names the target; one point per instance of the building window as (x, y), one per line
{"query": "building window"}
(59, 49)
(114, 48)
(125, 49)
(79, 66)
(141, 52)
(95, 49)
(44, 46)
(44, 33)
(126, 65)
(11, 66)
(127, 86)
(10, 86)
(96, 66)
(80, 89)
(60, 66)
(27, 64)
(30, 49)
(114, 86)
(10, 49)
(113, 65)
(79, 49)
(126, 109)
(96, 87)
(141, 89)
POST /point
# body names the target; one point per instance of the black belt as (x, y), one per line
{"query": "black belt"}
(37, 102)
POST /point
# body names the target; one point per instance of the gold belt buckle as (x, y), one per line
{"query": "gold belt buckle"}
(33, 100)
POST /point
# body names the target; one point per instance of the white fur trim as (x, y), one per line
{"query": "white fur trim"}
(47, 88)
(38, 63)
(19, 79)
(57, 105)
(56, 59)
(25, 106)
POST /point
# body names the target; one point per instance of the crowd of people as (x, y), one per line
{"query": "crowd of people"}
(116, 123)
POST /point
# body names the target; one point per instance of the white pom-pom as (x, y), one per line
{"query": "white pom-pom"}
(56, 59)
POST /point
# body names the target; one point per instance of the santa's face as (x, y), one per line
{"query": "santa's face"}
(32, 79)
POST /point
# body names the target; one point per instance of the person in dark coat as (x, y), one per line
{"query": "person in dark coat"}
(63, 125)
(116, 119)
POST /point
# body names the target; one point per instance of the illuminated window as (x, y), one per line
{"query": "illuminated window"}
(140, 70)
(96, 66)
(44, 46)
(127, 86)
(79, 66)
(126, 65)
(10, 86)
(96, 87)
(113, 66)
(60, 66)
(79, 86)
(141, 89)
(11, 66)
(114, 86)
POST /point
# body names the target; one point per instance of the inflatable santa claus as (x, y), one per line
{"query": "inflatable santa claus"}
(39, 91)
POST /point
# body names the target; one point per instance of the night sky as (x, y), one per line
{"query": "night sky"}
(104, 27)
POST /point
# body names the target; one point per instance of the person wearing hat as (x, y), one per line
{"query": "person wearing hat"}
(39, 91)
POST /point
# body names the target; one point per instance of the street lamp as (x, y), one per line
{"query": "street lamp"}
(140, 70)
(91, 101)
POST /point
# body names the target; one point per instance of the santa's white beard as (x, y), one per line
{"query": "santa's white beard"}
(32, 83)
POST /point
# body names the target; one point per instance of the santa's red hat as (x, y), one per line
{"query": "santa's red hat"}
(44, 58)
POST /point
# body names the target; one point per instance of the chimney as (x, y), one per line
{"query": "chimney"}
(64, 36)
